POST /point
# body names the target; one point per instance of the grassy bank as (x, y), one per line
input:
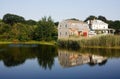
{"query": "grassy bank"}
(28, 42)
(101, 41)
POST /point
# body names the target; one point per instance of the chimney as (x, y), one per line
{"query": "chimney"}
(90, 24)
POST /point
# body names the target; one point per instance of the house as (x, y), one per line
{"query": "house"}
(75, 28)
(72, 28)
(100, 27)
(72, 58)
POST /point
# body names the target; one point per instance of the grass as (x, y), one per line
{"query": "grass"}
(29, 42)
(101, 41)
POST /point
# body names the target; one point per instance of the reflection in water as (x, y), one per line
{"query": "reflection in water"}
(73, 58)
(16, 54)
(41, 62)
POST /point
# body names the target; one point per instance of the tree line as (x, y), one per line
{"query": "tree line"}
(16, 28)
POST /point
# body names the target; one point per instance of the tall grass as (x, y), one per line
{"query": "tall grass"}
(104, 41)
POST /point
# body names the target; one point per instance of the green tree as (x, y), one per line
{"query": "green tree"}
(91, 17)
(110, 23)
(4, 28)
(12, 19)
(74, 19)
(56, 24)
(4, 31)
(31, 22)
(102, 18)
(114, 24)
(0, 20)
(45, 29)
(19, 32)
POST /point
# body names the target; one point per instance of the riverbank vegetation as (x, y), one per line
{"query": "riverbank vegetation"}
(100, 41)
(14, 28)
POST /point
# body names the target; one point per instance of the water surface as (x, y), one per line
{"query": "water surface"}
(24, 61)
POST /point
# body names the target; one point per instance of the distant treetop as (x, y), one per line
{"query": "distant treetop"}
(74, 19)
(12, 18)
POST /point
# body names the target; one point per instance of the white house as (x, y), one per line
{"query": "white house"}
(100, 27)
(70, 28)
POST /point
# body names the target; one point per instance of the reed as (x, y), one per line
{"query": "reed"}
(101, 41)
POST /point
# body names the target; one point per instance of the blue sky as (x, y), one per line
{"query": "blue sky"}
(61, 9)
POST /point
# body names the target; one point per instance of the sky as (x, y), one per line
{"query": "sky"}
(61, 9)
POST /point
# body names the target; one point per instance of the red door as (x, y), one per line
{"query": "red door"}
(85, 34)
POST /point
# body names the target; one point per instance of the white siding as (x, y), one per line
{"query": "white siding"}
(97, 24)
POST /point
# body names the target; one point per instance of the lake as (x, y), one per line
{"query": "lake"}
(34, 61)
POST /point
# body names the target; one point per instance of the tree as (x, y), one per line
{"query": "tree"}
(91, 17)
(19, 32)
(45, 29)
(12, 19)
(0, 20)
(114, 24)
(4, 31)
(102, 18)
(56, 24)
(31, 22)
(110, 23)
(74, 19)
(4, 28)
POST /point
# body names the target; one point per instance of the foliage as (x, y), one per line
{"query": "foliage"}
(114, 24)
(19, 32)
(4, 28)
(91, 17)
(4, 31)
(45, 29)
(31, 22)
(12, 19)
(15, 27)
(74, 19)
(56, 24)
(102, 18)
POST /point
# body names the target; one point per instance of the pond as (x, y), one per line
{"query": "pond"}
(33, 61)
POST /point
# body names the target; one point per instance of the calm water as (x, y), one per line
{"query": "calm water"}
(22, 61)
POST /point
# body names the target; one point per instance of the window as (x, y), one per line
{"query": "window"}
(66, 33)
(66, 25)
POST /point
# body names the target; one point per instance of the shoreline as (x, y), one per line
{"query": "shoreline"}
(29, 42)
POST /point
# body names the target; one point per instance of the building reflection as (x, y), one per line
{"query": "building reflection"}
(72, 58)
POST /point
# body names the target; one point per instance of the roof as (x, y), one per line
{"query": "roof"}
(74, 21)
(98, 22)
